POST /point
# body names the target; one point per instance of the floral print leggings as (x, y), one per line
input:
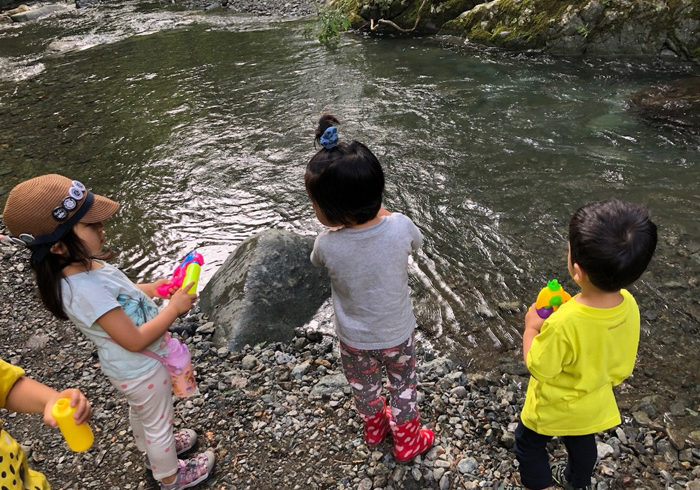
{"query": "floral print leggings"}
(363, 370)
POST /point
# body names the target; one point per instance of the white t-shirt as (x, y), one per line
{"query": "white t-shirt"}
(89, 295)
(369, 280)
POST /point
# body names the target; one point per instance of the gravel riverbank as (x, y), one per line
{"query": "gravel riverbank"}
(284, 8)
(281, 416)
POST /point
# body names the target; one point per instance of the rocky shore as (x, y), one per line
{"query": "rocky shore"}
(21, 11)
(282, 416)
(657, 28)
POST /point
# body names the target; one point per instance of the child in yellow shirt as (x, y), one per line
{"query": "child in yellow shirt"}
(586, 347)
(21, 394)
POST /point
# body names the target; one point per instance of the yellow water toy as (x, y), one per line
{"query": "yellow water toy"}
(78, 436)
(551, 298)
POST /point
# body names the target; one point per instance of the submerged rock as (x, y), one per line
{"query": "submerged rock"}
(677, 103)
(37, 13)
(266, 288)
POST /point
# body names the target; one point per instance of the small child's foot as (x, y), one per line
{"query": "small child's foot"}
(185, 440)
(410, 439)
(377, 425)
(191, 471)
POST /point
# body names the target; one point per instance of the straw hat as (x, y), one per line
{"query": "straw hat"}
(42, 209)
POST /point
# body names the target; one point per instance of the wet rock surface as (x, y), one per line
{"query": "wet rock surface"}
(581, 27)
(264, 289)
(676, 103)
(280, 415)
(285, 8)
(291, 8)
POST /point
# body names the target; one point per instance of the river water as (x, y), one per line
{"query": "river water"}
(200, 124)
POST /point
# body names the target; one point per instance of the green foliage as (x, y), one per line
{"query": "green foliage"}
(584, 30)
(331, 22)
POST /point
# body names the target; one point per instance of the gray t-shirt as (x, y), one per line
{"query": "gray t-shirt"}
(89, 295)
(369, 280)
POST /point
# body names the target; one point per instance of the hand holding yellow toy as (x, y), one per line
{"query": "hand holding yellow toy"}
(551, 298)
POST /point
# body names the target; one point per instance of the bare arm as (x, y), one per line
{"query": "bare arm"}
(125, 333)
(31, 396)
(533, 324)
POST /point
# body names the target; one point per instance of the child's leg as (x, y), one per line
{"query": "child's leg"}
(151, 413)
(400, 362)
(363, 371)
(583, 454)
(531, 451)
(410, 439)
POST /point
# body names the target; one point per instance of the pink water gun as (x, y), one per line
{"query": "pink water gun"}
(185, 273)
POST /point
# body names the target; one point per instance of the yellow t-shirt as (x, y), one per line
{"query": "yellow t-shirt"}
(15, 474)
(579, 355)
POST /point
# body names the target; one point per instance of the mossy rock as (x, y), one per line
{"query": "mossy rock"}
(644, 27)
(350, 9)
(377, 9)
(433, 14)
(404, 13)
(601, 27)
(511, 23)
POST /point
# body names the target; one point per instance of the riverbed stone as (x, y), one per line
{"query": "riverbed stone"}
(264, 290)
(17, 10)
(604, 450)
(676, 103)
(328, 385)
(467, 465)
(37, 13)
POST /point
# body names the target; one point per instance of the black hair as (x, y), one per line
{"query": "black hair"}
(49, 271)
(346, 182)
(612, 241)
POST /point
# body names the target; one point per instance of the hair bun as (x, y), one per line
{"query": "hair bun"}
(325, 122)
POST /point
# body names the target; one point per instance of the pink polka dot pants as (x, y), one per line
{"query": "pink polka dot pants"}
(150, 400)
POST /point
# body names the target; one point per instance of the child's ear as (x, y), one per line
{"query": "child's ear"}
(58, 248)
(579, 274)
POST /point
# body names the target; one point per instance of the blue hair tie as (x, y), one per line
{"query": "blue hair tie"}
(329, 138)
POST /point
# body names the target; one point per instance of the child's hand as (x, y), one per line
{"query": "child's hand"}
(151, 288)
(158, 284)
(182, 301)
(532, 319)
(83, 410)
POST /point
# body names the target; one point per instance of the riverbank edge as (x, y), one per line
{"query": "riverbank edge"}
(647, 28)
(282, 415)
(16, 11)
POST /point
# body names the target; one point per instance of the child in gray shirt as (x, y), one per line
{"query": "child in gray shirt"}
(366, 252)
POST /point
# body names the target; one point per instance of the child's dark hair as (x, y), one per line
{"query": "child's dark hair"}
(612, 241)
(345, 180)
(49, 272)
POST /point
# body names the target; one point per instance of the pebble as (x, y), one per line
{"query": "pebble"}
(467, 465)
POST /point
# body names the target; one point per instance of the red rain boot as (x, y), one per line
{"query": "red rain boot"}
(377, 426)
(410, 440)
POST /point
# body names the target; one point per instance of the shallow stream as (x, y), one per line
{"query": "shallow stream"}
(200, 124)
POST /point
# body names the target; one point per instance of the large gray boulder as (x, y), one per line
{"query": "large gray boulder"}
(266, 288)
